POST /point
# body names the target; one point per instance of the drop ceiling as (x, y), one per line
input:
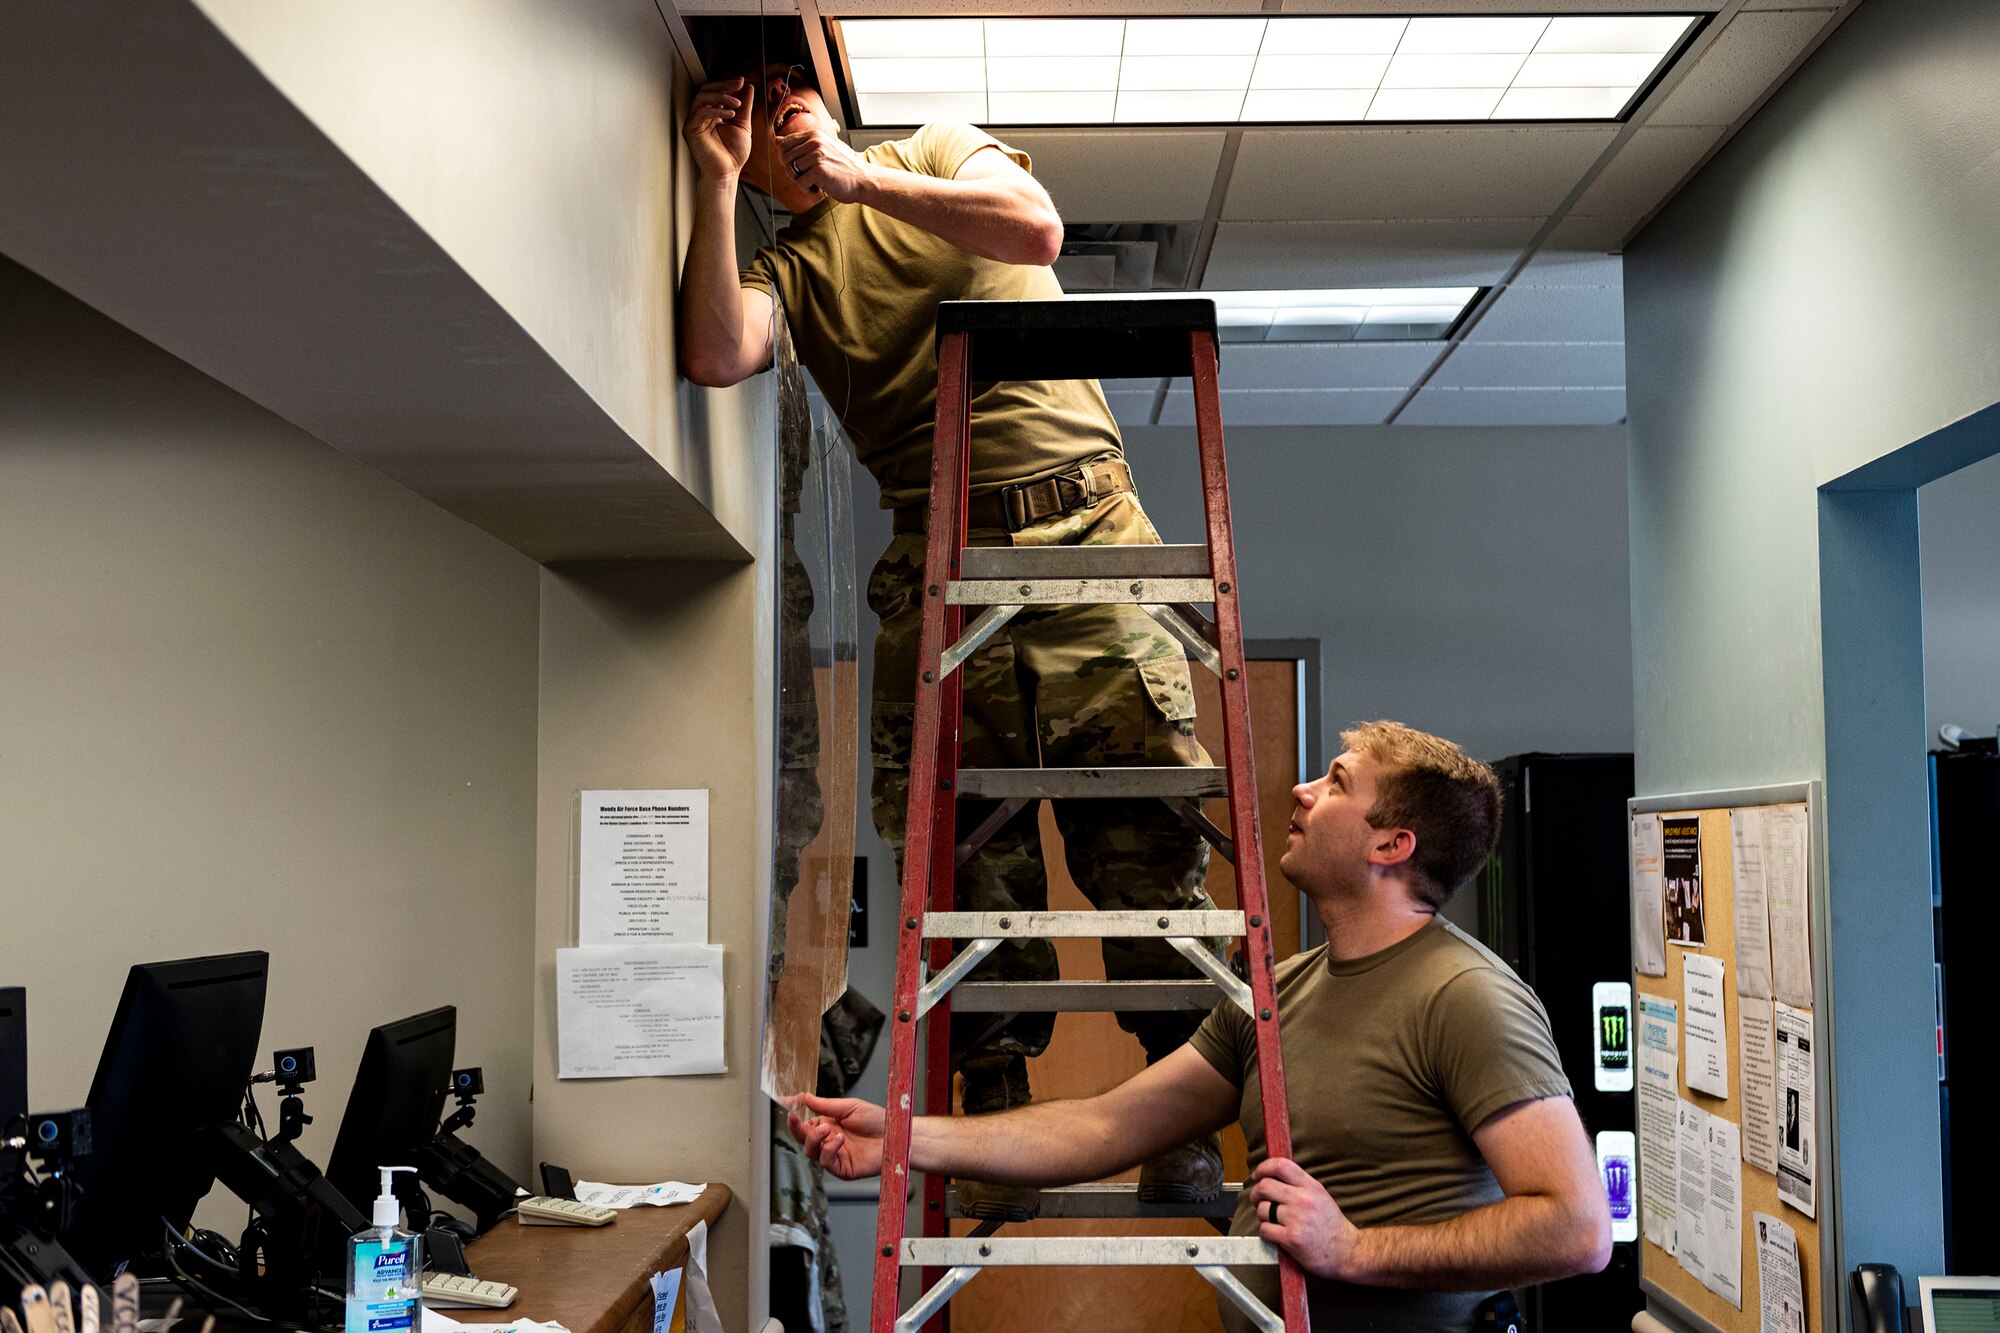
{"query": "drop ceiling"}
(1535, 213)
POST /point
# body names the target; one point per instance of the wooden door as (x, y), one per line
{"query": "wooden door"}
(1090, 1053)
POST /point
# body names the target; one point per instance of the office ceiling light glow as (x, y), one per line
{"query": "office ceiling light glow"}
(1376, 314)
(1301, 70)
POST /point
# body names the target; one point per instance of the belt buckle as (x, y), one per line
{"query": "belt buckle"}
(1014, 506)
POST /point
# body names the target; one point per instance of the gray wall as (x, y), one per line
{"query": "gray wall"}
(253, 695)
(1821, 298)
(1960, 525)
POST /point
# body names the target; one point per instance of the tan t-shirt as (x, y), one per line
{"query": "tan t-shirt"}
(860, 291)
(1391, 1062)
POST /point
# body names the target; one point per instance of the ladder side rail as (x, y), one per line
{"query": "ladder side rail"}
(946, 530)
(1239, 761)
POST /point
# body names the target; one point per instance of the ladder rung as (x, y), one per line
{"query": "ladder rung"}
(1081, 925)
(1121, 1201)
(1082, 997)
(1076, 592)
(1090, 340)
(1058, 784)
(1081, 1251)
(1083, 562)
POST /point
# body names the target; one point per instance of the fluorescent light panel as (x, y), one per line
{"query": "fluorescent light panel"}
(1375, 314)
(1182, 71)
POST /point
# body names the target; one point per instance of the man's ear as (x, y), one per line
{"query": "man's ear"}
(1392, 847)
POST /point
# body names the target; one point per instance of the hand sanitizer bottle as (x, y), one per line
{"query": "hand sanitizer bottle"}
(385, 1270)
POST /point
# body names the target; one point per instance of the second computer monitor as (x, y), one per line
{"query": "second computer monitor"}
(396, 1103)
(182, 1047)
(13, 1056)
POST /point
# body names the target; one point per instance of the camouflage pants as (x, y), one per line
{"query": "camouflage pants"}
(1063, 687)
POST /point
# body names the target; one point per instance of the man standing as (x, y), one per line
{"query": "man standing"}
(1438, 1158)
(877, 239)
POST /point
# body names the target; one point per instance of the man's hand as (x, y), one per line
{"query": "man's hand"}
(718, 128)
(844, 1135)
(1308, 1224)
(820, 162)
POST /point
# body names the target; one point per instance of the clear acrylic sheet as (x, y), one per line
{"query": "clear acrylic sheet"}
(818, 732)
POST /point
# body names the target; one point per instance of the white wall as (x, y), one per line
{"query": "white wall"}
(1960, 525)
(1819, 299)
(253, 696)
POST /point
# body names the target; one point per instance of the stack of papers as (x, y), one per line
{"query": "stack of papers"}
(599, 1195)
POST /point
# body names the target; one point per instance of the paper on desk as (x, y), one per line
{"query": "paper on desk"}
(1753, 915)
(600, 1195)
(1757, 1079)
(436, 1322)
(630, 1010)
(1707, 1039)
(1649, 921)
(701, 1315)
(1659, 1096)
(1783, 1291)
(642, 866)
(1787, 879)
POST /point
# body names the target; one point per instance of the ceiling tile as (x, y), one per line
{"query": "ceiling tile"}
(1124, 176)
(1651, 163)
(1475, 171)
(1554, 314)
(1325, 365)
(1739, 67)
(1147, 385)
(1532, 366)
(1792, 4)
(1572, 268)
(1515, 407)
(1601, 234)
(1366, 254)
(1289, 407)
(1131, 409)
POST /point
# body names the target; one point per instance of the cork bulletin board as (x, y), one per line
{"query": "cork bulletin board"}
(1711, 931)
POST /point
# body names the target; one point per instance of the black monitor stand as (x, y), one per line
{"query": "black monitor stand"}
(457, 1170)
(301, 1225)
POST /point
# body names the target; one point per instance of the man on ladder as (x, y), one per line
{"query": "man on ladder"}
(1437, 1158)
(877, 240)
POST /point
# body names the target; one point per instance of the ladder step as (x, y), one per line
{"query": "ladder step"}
(1077, 592)
(1083, 562)
(1082, 1251)
(1059, 784)
(1081, 925)
(1065, 340)
(1082, 997)
(1121, 1201)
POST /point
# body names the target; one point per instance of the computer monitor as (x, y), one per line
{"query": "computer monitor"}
(180, 1052)
(13, 1056)
(396, 1103)
(1960, 1304)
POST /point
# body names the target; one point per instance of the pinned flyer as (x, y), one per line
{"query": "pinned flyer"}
(631, 1011)
(642, 867)
(1797, 1167)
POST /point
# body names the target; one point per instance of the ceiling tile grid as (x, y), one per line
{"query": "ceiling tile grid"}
(1287, 407)
(1537, 365)
(1515, 407)
(1652, 161)
(1423, 253)
(1554, 314)
(1387, 365)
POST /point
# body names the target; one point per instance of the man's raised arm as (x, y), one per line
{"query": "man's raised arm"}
(1177, 1100)
(725, 328)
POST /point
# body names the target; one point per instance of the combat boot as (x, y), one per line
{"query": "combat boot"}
(1191, 1173)
(987, 1091)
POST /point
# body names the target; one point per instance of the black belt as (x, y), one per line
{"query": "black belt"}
(1026, 503)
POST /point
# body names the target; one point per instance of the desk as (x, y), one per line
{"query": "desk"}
(589, 1279)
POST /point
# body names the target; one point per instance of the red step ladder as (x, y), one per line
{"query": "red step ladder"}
(989, 341)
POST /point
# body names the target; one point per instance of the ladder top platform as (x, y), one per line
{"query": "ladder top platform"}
(1072, 340)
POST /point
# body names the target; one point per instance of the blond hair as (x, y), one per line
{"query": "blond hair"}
(1446, 798)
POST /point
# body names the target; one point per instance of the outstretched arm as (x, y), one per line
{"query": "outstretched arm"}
(991, 208)
(1048, 1143)
(725, 328)
(1554, 1222)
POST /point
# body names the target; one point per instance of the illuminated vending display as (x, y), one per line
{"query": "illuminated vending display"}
(1616, 1149)
(1611, 1005)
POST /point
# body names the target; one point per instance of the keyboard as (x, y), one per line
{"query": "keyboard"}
(448, 1289)
(542, 1211)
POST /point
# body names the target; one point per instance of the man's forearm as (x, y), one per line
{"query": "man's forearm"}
(1530, 1238)
(711, 297)
(1047, 1143)
(994, 218)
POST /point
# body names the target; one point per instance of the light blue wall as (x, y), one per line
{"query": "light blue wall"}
(1822, 298)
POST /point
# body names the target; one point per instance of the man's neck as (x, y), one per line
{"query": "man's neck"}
(1358, 929)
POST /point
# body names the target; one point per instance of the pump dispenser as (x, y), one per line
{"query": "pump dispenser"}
(385, 1269)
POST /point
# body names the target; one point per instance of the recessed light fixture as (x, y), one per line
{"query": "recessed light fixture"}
(1296, 69)
(1374, 314)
